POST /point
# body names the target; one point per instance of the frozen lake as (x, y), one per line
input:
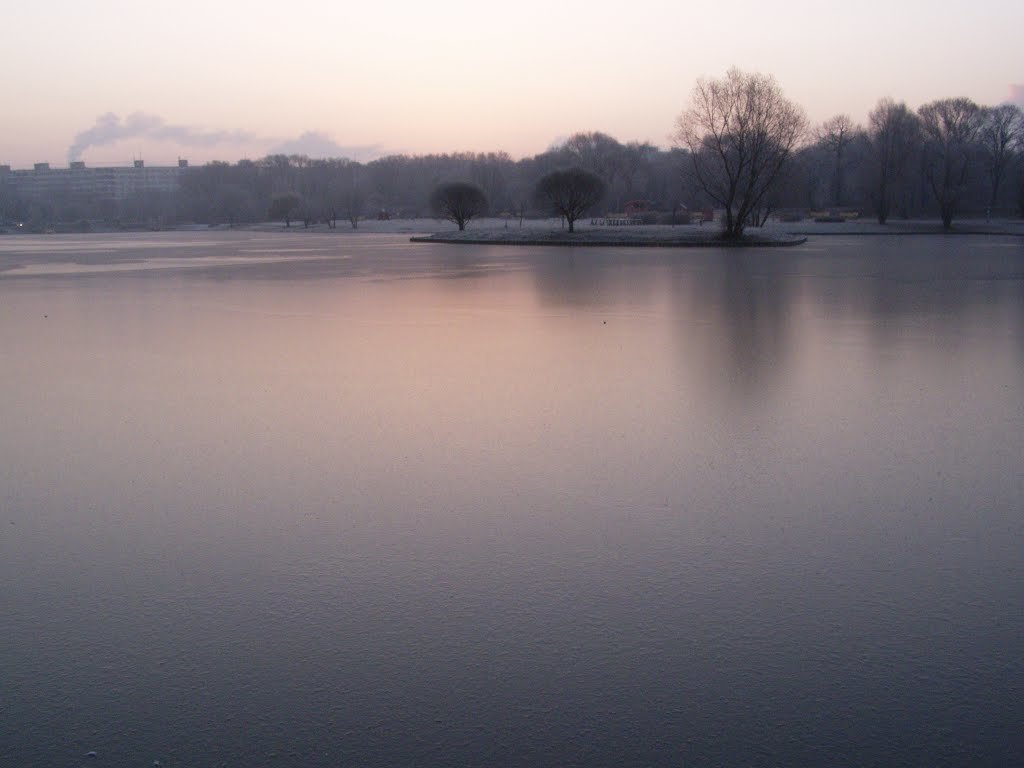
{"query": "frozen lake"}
(302, 499)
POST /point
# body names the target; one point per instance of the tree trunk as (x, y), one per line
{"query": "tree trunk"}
(839, 181)
(882, 209)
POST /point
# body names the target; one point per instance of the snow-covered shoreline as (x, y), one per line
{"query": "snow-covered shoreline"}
(641, 236)
(551, 230)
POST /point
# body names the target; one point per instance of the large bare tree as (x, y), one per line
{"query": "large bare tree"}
(741, 131)
(835, 136)
(1002, 129)
(1018, 167)
(950, 128)
(894, 136)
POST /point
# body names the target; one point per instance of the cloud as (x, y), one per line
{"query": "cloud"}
(110, 128)
(1017, 94)
(316, 144)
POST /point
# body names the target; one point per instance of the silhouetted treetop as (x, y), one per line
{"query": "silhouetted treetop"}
(458, 201)
(569, 192)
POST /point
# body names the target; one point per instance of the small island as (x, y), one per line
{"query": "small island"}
(650, 236)
(568, 194)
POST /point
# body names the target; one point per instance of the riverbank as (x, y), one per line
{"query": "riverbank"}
(550, 232)
(1013, 227)
(774, 234)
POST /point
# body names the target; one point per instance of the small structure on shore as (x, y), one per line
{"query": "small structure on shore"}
(638, 207)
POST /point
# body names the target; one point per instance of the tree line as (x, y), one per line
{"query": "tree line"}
(753, 152)
(740, 146)
(299, 190)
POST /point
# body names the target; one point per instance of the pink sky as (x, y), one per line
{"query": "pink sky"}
(458, 75)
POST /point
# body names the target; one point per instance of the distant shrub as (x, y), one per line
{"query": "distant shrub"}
(569, 192)
(458, 201)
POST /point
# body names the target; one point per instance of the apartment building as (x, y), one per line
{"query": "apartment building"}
(79, 180)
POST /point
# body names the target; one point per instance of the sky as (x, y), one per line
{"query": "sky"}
(109, 81)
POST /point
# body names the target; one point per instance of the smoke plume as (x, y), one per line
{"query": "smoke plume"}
(319, 145)
(109, 128)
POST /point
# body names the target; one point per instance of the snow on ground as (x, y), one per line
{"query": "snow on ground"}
(651, 235)
(869, 226)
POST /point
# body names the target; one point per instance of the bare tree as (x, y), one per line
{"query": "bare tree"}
(489, 171)
(316, 180)
(1018, 171)
(835, 135)
(893, 136)
(950, 128)
(1002, 128)
(458, 201)
(348, 191)
(740, 131)
(353, 200)
(569, 192)
(597, 152)
(284, 207)
(633, 158)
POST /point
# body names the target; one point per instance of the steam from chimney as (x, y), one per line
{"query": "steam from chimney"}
(109, 128)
